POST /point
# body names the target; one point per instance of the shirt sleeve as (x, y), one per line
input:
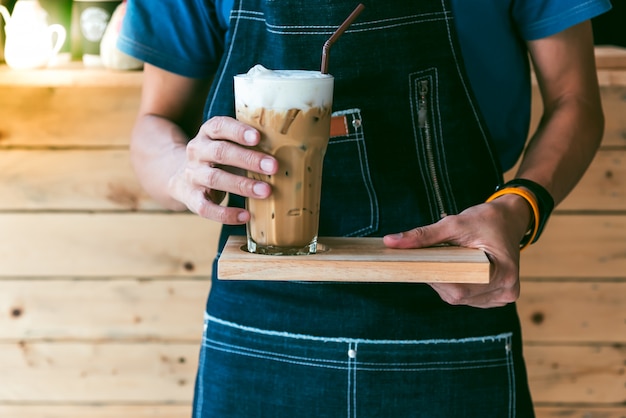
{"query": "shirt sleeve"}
(181, 36)
(542, 18)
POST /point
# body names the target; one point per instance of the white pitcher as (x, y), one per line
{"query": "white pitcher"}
(30, 42)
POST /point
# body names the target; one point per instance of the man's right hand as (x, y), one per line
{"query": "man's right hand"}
(216, 162)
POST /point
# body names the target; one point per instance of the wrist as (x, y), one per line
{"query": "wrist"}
(523, 210)
(536, 197)
(543, 199)
(518, 211)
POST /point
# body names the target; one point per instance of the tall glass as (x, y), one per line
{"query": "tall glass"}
(292, 111)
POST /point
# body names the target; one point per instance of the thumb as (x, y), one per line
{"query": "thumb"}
(420, 237)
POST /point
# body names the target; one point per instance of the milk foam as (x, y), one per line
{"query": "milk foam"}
(283, 89)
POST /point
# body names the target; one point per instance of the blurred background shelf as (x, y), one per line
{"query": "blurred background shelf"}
(68, 75)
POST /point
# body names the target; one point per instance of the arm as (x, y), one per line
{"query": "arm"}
(558, 154)
(571, 128)
(184, 164)
(169, 113)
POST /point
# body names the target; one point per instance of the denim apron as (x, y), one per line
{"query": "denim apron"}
(414, 149)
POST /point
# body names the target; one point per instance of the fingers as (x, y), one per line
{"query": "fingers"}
(481, 226)
(503, 287)
(478, 296)
(212, 152)
(216, 163)
(203, 204)
(211, 177)
(442, 232)
(414, 238)
(221, 153)
(222, 127)
(217, 160)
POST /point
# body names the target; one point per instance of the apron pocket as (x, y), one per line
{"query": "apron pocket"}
(349, 204)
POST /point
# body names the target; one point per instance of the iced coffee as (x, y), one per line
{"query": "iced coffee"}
(292, 111)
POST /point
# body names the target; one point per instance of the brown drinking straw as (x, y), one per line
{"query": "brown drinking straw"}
(337, 34)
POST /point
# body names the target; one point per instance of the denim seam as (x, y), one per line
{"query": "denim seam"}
(451, 364)
(367, 180)
(349, 138)
(442, 149)
(413, 78)
(353, 30)
(499, 337)
(437, 368)
(382, 23)
(358, 139)
(511, 372)
(346, 112)
(373, 366)
(351, 366)
(303, 362)
(352, 369)
(269, 354)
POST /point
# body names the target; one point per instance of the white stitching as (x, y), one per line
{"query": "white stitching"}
(416, 135)
(199, 396)
(511, 372)
(352, 366)
(285, 334)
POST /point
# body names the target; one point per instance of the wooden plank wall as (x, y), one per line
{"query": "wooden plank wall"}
(102, 292)
(573, 302)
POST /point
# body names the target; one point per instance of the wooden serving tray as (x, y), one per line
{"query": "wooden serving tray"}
(356, 260)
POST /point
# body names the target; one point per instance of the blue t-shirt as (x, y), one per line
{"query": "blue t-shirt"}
(187, 38)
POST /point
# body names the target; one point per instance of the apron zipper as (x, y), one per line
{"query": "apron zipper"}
(425, 129)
